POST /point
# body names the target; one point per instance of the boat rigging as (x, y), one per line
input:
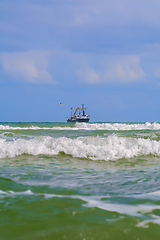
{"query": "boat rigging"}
(79, 115)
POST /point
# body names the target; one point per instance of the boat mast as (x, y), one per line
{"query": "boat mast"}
(83, 110)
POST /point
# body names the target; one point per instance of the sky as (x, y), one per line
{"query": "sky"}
(105, 54)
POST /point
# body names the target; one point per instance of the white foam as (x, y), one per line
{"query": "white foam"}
(154, 219)
(14, 194)
(151, 195)
(96, 201)
(92, 126)
(7, 127)
(95, 148)
(118, 126)
(133, 210)
(2, 192)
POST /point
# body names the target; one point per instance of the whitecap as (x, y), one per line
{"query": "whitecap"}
(95, 148)
(92, 126)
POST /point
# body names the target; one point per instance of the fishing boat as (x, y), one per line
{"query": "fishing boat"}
(79, 115)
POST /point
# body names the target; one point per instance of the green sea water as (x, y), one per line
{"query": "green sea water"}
(85, 181)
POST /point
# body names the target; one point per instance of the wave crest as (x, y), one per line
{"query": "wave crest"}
(95, 148)
(92, 126)
(118, 126)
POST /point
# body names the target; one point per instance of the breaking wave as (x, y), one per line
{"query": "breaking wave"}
(92, 126)
(95, 148)
(118, 126)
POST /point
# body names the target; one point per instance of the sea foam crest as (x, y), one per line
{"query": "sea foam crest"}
(118, 126)
(91, 126)
(95, 148)
(7, 127)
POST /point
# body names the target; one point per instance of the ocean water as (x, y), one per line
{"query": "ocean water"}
(87, 181)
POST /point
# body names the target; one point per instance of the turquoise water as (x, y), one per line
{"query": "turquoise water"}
(80, 181)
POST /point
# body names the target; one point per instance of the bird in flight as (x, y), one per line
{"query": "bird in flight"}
(60, 103)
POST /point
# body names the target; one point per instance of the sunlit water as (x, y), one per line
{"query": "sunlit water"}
(80, 181)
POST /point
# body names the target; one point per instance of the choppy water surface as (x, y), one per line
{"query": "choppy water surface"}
(80, 181)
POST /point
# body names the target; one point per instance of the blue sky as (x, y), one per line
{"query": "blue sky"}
(103, 53)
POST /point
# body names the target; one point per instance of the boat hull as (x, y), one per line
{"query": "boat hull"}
(82, 120)
(78, 120)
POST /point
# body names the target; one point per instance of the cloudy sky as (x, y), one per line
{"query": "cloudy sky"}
(103, 53)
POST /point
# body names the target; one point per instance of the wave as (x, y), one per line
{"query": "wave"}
(92, 126)
(95, 148)
(118, 126)
(7, 127)
(139, 210)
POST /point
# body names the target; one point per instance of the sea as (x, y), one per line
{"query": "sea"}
(84, 181)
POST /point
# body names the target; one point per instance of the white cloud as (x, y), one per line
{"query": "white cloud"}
(89, 75)
(122, 69)
(88, 68)
(28, 66)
